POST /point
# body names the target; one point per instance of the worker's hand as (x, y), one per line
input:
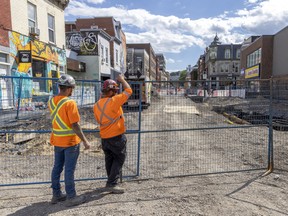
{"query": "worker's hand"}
(120, 77)
(86, 145)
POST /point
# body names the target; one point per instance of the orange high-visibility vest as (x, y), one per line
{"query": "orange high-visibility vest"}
(109, 114)
(64, 113)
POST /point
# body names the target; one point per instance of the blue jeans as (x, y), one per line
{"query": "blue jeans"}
(65, 157)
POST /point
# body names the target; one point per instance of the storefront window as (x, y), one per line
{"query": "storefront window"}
(38, 68)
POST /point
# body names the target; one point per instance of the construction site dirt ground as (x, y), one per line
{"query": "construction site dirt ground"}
(228, 193)
(244, 193)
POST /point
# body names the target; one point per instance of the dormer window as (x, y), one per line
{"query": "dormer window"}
(238, 52)
(227, 54)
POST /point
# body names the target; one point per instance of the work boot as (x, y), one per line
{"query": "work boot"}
(114, 189)
(77, 200)
(60, 198)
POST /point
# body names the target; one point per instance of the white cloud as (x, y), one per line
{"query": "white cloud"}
(252, 1)
(95, 1)
(173, 34)
(171, 61)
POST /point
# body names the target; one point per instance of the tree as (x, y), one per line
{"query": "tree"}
(183, 75)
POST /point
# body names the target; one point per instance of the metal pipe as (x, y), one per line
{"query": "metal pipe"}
(139, 129)
(19, 97)
(270, 167)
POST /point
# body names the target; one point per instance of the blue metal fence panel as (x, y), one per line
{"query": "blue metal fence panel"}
(173, 129)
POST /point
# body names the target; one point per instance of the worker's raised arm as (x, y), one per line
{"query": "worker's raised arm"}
(122, 80)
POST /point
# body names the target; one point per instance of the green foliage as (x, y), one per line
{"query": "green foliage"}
(183, 75)
(174, 73)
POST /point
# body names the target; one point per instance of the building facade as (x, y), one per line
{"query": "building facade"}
(32, 45)
(117, 44)
(222, 64)
(257, 58)
(280, 54)
(152, 57)
(90, 48)
(137, 64)
(160, 67)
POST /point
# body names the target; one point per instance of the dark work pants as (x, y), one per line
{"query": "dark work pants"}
(115, 153)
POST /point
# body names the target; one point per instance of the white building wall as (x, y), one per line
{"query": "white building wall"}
(104, 67)
(19, 15)
(117, 65)
(71, 54)
(92, 67)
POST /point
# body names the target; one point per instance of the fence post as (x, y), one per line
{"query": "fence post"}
(139, 128)
(270, 137)
(82, 92)
(19, 97)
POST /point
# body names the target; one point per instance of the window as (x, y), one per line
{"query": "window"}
(238, 52)
(227, 54)
(227, 68)
(254, 58)
(51, 28)
(116, 57)
(3, 58)
(106, 54)
(102, 51)
(32, 15)
(222, 68)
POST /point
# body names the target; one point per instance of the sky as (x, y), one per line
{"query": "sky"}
(182, 29)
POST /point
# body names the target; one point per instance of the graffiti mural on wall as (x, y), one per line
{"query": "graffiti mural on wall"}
(19, 42)
(52, 55)
(84, 43)
(41, 52)
(48, 52)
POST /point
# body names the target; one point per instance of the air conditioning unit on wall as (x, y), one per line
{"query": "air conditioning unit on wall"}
(34, 31)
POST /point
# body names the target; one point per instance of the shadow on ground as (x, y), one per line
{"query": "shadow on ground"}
(46, 208)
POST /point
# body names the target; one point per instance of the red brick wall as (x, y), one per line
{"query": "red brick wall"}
(5, 22)
(73, 64)
(69, 27)
(104, 23)
(265, 42)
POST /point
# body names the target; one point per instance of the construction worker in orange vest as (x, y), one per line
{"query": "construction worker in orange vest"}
(109, 114)
(65, 137)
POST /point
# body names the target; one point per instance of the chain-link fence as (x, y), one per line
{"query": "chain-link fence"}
(173, 128)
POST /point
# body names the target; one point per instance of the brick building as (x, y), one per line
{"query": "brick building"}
(31, 44)
(257, 58)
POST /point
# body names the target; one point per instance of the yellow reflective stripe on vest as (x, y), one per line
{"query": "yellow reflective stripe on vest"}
(64, 129)
(103, 114)
(52, 105)
(56, 108)
(61, 132)
(60, 123)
